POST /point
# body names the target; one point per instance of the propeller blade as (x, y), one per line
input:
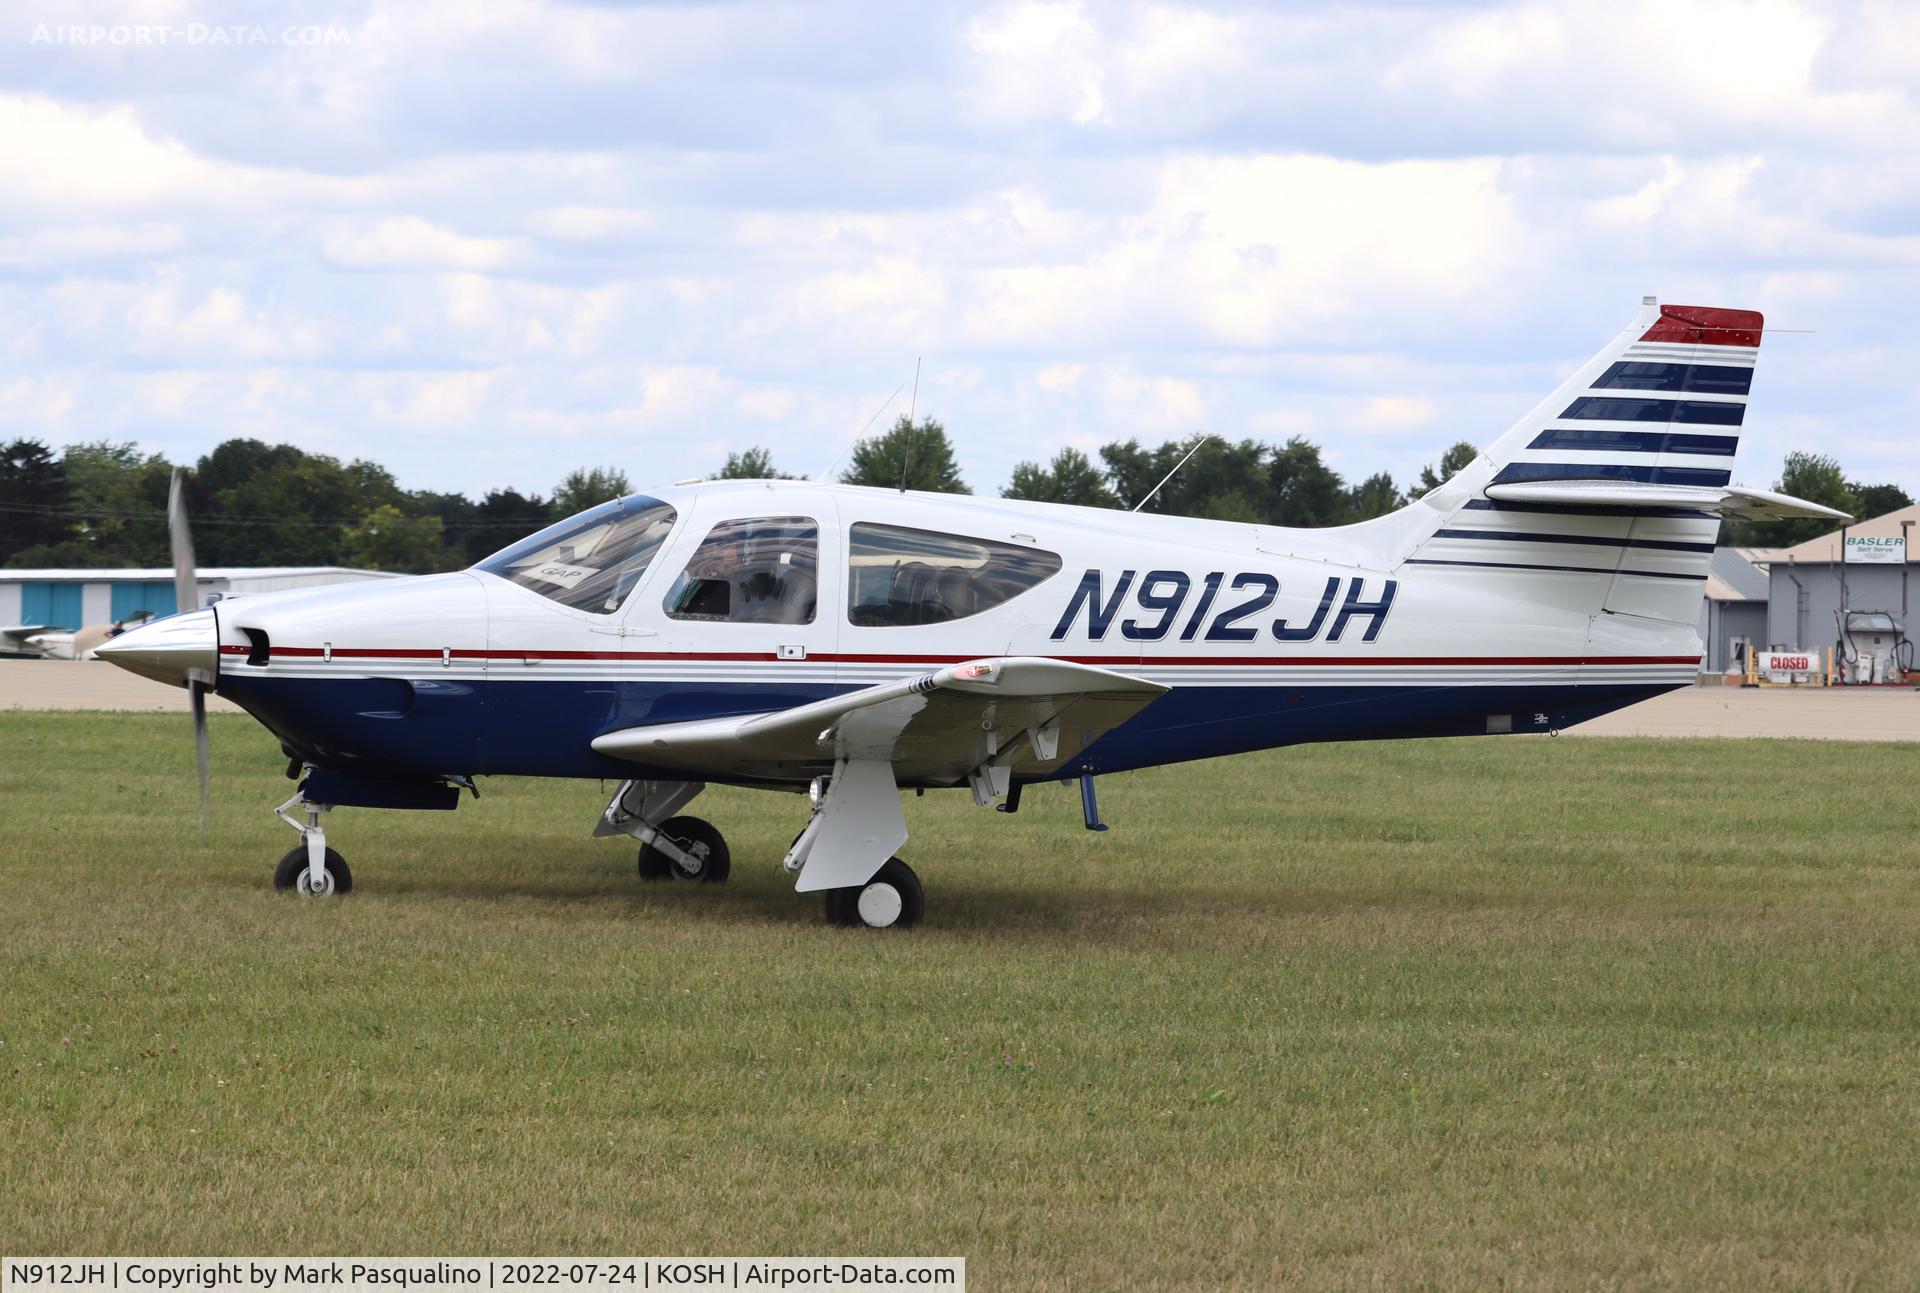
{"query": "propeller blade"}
(197, 693)
(186, 584)
(186, 597)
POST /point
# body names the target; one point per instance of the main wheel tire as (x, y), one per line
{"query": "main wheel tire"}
(893, 899)
(293, 874)
(697, 836)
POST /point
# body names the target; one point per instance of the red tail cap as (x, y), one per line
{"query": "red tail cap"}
(1703, 325)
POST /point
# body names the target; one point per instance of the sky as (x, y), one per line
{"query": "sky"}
(486, 243)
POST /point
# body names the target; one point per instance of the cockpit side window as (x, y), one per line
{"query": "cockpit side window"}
(591, 561)
(899, 576)
(763, 570)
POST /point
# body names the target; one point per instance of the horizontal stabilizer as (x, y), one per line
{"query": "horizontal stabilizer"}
(1723, 500)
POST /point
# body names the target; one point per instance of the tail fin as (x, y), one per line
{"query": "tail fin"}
(1621, 474)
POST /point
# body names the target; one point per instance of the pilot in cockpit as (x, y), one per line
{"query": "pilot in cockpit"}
(750, 577)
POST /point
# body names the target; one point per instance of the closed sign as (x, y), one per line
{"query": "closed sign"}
(1787, 662)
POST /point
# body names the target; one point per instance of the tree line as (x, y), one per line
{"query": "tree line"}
(103, 503)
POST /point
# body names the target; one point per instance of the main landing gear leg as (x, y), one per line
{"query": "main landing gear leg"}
(311, 868)
(846, 850)
(671, 848)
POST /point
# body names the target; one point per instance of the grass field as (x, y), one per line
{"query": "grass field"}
(1524, 1012)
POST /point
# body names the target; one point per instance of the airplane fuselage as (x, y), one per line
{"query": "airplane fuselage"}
(471, 673)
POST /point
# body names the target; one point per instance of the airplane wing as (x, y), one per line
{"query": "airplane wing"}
(14, 637)
(1727, 500)
(1013, 717)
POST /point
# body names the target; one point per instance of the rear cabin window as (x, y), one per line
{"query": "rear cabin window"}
(591, 561)
(759, 571)
(899, 576)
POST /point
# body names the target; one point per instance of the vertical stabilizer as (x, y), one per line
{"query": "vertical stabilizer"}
(1662, 405)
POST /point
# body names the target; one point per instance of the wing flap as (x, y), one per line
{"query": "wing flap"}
(1031, 713)
(1723, 500)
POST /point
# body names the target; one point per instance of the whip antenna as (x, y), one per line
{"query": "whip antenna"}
(906, 449)
(1204, 437)
(863, 430)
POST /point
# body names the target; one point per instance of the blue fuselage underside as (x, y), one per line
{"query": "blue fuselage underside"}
(382, 727)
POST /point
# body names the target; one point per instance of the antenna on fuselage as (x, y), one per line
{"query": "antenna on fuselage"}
(906, 447)
(1204, 437)
(863, 430)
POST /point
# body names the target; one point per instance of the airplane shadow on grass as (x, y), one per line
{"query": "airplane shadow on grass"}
(956, 904)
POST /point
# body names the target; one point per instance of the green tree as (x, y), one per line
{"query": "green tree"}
(1302, 489)
(1248, 481)
(1878, 500)
(1812, 476)
(387, 538)
(1375, 496)
(585, 488)
(33, 497)
(1452, 462)
(1069, 478)
(292, 510)
(117, 495)
(113, 478)
(751, 464)
(920, 449)
(503, 517)
(455, 512)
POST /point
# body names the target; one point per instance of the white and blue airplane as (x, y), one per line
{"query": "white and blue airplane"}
(856, 642)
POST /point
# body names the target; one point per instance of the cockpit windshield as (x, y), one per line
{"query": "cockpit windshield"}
(591, 561)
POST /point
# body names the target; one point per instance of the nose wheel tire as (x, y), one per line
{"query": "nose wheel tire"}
(294, 875)
(697, 837)
(893, 899)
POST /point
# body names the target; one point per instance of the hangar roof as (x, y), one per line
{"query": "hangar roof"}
(101, 575)
(1733, 577)
(1827, 546)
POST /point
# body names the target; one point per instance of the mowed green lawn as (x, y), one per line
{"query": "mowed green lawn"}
(1454, 1014)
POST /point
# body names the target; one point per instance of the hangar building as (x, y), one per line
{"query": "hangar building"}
(1736, 607)
(1787, 599)
(74, 599)
(1809, 583)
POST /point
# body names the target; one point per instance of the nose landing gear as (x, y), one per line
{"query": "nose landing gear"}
(312, 869)
(296, 875)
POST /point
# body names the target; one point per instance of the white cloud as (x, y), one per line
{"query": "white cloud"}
(411, 242)
(1036, 60)
(588, 223)
(1060, 377)
(766, 405)
(57, 156)
(63, 244)
(1395, 413)
(547, 228)
(1266, 250)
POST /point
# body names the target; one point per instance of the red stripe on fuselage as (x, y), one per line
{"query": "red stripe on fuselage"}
(767, 657)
